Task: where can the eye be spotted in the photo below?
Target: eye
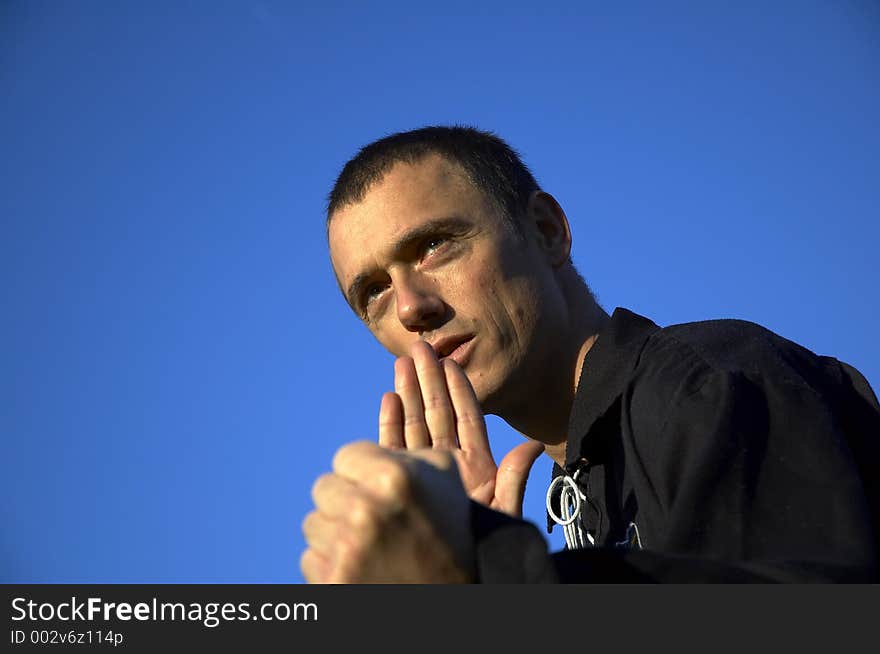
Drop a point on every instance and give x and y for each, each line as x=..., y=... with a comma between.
x=372, y=292
x=369, y=298
x=433, y=244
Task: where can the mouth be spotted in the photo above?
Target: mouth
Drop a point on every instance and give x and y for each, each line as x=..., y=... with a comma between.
x=457, y=348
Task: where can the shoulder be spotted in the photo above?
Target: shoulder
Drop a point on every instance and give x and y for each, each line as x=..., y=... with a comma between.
x=737, y=347
x=684, y=360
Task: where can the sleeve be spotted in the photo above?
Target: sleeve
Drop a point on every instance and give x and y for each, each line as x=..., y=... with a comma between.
x=509, y=550
x=747, y=482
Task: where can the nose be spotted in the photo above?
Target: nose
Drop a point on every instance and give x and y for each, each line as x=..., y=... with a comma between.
x=419, y=306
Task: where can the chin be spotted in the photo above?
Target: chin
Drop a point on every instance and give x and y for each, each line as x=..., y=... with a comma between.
x=489, y=397
x=497, y=392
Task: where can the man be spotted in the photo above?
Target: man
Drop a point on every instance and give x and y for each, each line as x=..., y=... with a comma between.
x=713, y=451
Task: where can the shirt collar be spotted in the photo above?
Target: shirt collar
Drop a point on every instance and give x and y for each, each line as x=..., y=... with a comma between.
x=606, y=370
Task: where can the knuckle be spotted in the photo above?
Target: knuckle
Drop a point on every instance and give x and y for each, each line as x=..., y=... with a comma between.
x=321, y=484
x=339, y=457
x=436, y=402
x=443, y=438
x=308, y=523
x=392, y=481
x=309, y=566
x=388, y=421
x=362, y=516
x=350, y=553
x=348, y=455
x=471, y=418
x=413, y=419
x=344, y=453
x=443, y=443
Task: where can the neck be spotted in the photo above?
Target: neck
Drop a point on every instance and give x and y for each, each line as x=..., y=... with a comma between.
x=559, y=426
x=542, y=410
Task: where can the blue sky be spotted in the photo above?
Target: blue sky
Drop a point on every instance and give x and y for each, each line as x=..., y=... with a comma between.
x=177, y=363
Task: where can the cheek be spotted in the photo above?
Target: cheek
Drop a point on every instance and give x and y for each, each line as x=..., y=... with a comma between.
x=507, y=300
x=393, y=342
x=480, y=287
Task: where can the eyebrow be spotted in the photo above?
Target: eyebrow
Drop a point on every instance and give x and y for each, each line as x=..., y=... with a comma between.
x=452, y=224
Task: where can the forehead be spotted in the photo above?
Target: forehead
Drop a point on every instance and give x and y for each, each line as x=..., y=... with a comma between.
x=409, y=195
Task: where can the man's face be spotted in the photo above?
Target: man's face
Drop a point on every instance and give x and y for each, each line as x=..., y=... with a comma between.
x=427, y=256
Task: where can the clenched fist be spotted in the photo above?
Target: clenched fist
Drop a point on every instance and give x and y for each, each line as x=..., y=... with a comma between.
x=388, y=516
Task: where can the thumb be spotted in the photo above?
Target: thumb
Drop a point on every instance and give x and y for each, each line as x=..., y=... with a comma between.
x=440, y=494
x=513, y=471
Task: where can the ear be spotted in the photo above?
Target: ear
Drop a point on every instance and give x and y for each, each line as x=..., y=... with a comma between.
x=548, y=226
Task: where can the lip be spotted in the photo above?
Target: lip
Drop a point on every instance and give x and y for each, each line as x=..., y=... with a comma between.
x=457, y=348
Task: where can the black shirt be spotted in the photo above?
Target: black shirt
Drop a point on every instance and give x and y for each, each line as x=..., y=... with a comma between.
x=709, y=451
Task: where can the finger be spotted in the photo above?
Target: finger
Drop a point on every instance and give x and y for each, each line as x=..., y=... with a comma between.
x=391, y=422
x=513, y=472
x=350, y=459
x=333, y=495
x=406, y=383
x=314, y=567
x=375, y=471
x=435, y=397
x=469, y=420
x=321, y=533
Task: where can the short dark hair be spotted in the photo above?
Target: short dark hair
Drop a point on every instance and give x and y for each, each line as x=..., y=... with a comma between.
x=489, y=163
